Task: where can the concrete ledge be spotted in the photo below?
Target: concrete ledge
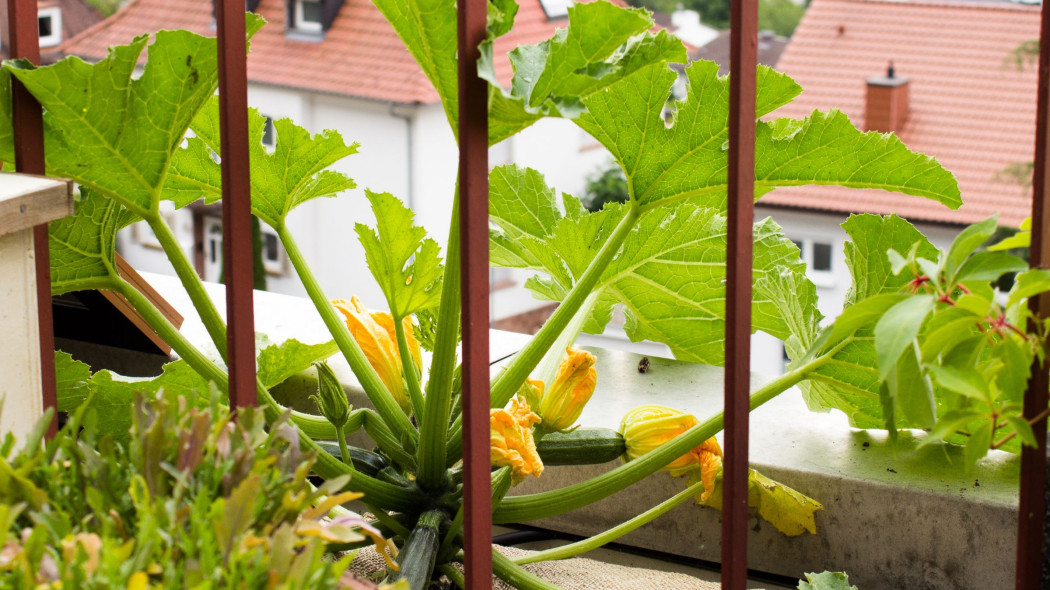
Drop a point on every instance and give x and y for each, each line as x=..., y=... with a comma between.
x=893, y=517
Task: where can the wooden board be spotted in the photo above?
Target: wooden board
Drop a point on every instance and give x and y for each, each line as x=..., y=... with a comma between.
x=130, y=275
x=27, y=201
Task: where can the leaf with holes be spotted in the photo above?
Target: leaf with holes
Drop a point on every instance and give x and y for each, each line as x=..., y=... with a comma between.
x=119, y=138
x=111, y=394
x=294, y=173
x=602, y=44
x=687, y=159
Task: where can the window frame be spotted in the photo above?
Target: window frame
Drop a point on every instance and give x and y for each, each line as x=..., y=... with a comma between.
x=54, y=13
x=299, y=17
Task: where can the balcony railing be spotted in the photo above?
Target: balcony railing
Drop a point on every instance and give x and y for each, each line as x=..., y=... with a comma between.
x=473, y=178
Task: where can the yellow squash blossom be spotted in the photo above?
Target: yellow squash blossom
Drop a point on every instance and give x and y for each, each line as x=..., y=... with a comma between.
x=378, y=343
x=647, y=427
x=512, y=442
x=573, y=385
x=387, y=322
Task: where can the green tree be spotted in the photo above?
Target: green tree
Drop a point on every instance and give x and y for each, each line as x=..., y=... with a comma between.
x=605, y=186
x=779, y=16
x=106, y=7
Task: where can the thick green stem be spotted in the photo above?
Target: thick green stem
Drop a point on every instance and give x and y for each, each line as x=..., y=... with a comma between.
x=453, y=574
x=516, y=576
x=433, y=428
x=170, y=334
x=500, y=486
x=408, y=368
x=210, y=317
x=548, y=368
x=344, y=452
x=381, y=493
x=388, y=521
x=375, y=390
x=318, y=428
x=384, y=438
x=545, y=504
x=592, y=543
x=453, y=532
x=508, y=382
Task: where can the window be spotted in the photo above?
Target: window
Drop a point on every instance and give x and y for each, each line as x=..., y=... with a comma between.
x=308, y=15
x=818, y=256
x=272, y=253
x=143, y=233
x=556, y=8
x=212, y=248
x=821, y=256
x=49, y=25
x=269, y=136
x=273, y=256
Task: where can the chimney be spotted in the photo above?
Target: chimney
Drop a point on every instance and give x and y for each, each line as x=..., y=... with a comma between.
x=886, y=105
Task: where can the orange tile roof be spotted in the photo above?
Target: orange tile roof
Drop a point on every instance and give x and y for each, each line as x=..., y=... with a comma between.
x=967, y=107
x=360, y=55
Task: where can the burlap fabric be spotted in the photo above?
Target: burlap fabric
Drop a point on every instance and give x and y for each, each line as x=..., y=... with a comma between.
x=570, y=574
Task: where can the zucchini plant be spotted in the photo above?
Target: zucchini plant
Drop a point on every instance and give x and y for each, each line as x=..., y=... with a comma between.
x=924, y=341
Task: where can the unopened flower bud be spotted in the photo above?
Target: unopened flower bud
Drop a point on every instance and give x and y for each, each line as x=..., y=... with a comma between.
x=572, y=388
x=331, y=397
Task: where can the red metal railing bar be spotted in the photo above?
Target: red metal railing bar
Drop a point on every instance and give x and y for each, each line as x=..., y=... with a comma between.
x=474, y=278
x=741, y=189
x=1032, y=508
x=236, y=202
x=29, y=158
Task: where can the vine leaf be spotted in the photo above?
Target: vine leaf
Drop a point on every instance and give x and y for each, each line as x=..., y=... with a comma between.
x=193, y=175
x=111, y=395
x=293, y=174
x=88, y=135
x=850, y=380
x=826, y=581
x=403, y=260
x=278, y=362
x=668, y=275
x=82, y=245
x=7, y=129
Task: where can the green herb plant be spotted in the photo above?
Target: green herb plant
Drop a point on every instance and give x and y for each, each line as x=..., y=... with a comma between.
x=226, y=500
x=924, y=341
